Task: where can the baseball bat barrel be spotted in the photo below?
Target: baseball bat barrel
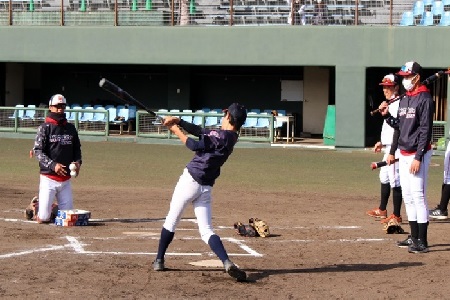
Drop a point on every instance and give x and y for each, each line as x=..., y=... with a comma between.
x=123, y=95
x=376, y=165
x=427, y=81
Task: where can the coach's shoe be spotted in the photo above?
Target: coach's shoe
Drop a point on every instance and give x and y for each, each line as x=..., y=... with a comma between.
x=377, y=213
x=437, y=213
x=418, y=247
x=399, y=219
x=234, y=271
x=158, y=265
x=406, y=243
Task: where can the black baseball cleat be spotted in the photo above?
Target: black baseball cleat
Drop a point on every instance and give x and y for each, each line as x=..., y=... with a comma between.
x=234, y=271
x=406, y=243
x=438, y=214
x=418, y=247
x=158, y=265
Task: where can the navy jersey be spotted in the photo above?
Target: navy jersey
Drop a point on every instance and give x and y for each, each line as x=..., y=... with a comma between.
x=56, y=142
x=414, y=123
x=211, y=151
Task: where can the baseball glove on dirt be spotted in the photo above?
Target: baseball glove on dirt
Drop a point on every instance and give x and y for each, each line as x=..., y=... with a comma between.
x=260, y=226
x=244, y=230
x=393, y=226
x=32, y=210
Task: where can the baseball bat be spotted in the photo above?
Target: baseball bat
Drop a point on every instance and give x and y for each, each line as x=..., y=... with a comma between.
x=125, y=96
x=376, y=165
x=427, y=81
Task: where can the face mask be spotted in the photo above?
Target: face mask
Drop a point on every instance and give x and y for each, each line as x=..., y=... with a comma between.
x=408, y=83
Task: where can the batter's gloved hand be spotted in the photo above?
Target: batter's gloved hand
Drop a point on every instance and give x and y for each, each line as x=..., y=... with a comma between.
x=393, y=226
x=260, y=226
x=244, y=230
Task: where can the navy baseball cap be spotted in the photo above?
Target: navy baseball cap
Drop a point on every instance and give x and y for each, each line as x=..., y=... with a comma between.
x=238, y=112
x=410, y=68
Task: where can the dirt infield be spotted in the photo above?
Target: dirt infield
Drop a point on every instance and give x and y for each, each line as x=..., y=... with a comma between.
x=323, y=246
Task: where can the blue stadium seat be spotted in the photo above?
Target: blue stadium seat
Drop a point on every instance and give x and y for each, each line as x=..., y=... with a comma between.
x=99, y=114
x=438, y=8
x=73, y=114
x=427, y=4
x=427, y=19
x=19, y=113
x=407, y=19
x=198, y=120
x=187, y=118
x=251, y=121
x=418, y=8
x=29, y=113
x=445, y=19
x=88, y=114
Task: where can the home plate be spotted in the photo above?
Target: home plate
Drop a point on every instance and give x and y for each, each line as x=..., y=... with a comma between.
x=214, y=263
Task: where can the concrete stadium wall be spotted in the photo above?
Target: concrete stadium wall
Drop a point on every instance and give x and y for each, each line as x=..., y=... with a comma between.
x=350, y=49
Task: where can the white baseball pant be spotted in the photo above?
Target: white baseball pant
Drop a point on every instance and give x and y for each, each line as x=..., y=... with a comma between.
x=48, y=190
x=390, y=174
x=188, y=191
x=414, y=187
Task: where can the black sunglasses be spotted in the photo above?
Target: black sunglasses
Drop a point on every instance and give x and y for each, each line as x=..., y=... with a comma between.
x=60, y=105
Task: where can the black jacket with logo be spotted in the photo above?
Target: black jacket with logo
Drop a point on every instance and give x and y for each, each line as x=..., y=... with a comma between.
x=56, y=141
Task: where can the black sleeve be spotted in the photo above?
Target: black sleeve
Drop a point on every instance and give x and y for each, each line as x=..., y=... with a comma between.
x=394, y=144
x=193, y=129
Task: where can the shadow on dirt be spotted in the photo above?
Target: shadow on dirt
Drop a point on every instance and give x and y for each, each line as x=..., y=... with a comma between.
x=260, y=274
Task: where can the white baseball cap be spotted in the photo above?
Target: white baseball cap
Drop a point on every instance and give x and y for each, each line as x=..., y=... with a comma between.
x=57, y=99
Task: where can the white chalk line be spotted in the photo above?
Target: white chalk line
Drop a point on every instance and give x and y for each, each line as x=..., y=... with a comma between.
x=78, y=247
x=337, y=227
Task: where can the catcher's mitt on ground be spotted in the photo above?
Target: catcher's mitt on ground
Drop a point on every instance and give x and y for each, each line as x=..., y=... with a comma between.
x=32, y=210
x=260, y=226
x=244, y=230
x=256, y=227
x=393, y=226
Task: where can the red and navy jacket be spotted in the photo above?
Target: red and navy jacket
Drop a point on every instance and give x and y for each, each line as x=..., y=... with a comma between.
x=414, y=123
x=56, y=141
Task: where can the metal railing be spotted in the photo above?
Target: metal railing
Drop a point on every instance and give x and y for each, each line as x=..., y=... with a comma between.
x=27, y=120
x=149, y=126
x=215, y=12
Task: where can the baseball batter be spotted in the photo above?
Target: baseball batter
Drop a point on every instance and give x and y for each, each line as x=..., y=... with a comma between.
x=412, y=135
x=56, y=146
x=389, y=175
x=194, y=186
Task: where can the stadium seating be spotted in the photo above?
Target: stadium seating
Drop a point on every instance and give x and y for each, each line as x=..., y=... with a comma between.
x=427, y=19
x=187, y=118
x=418, y=9
x=29, y=113
x=437, y=8
x=198, y=120
x=407, y=19
x=72, y=115
x=99, y=114
x=445, y=19
x=18, y=112
x=251, y=122
x=88, y=115
x=212, y=121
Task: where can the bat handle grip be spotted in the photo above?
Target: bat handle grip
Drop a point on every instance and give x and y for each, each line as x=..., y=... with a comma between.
x=373, y=112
